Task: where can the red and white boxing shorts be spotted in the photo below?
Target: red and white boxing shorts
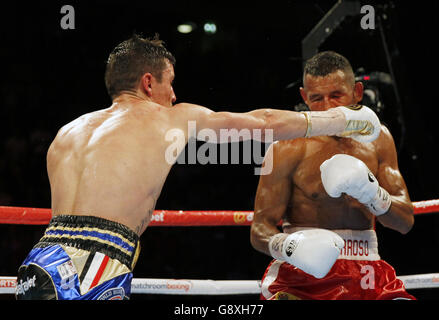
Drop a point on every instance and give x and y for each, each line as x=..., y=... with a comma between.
x=358, y=274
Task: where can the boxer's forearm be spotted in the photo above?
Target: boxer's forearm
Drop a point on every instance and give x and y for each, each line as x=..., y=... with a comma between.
x=279, y=124
x=287, y=125
x=266, y=125
x=399, y=217
x=260, y=235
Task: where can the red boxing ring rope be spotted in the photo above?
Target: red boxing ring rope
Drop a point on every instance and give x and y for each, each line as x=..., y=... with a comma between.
x=172, y=218
x=36, y=216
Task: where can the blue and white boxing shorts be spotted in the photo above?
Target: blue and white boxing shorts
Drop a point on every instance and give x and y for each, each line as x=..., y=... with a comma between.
x=80, y=258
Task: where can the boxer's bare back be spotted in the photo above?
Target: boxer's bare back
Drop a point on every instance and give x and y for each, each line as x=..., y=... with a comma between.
x=110, y=163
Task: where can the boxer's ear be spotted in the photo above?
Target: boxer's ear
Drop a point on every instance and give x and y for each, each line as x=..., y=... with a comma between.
x=146, y=82
x=358, y=91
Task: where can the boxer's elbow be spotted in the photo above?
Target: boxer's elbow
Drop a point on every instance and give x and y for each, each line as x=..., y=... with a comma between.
x=254, y=238
x=409, y=220
x=401, y=221
x=408, y=225
x=273, y=123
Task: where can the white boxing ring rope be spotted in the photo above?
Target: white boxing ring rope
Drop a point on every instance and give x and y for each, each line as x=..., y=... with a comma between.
x=220, y=287
x=19, y=215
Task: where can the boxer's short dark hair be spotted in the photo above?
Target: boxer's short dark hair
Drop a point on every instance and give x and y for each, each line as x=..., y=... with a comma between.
x=325, y=63
x=132, y=58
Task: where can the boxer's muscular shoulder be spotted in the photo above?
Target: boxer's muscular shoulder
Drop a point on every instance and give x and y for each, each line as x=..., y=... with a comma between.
x=86, y=120
x=190, y=108
x=288, y=153
x=183, y=112
x=292, y=148
x=384, y=137
x=385, y=142
x=77, y=132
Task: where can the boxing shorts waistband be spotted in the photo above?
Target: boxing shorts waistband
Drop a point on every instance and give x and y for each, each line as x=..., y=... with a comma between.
x=93, y=234
x=358, y=244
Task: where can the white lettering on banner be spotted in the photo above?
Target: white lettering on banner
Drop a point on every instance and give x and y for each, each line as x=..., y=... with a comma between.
x=159, y=217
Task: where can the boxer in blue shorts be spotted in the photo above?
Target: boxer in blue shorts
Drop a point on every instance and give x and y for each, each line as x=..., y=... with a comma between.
x=107, y=168
x=80, y=257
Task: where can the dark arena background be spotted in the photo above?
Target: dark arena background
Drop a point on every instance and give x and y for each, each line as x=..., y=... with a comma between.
x=238, y=57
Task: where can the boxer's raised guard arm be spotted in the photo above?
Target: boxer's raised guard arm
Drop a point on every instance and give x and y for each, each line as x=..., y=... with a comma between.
x=343, y=173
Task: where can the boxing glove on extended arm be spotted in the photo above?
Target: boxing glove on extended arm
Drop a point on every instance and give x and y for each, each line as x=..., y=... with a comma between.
x=362, y=124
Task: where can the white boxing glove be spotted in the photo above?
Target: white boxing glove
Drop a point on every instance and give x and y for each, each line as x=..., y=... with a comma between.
x=346, y=174
x=314, y=251
x=357, y=122
x=362, y=124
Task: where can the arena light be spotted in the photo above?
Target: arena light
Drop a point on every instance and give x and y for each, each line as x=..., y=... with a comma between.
x=186, y=27
x=210, y=27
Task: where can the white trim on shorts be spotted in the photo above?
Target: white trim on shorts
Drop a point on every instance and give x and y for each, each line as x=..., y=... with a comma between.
x=359, y=244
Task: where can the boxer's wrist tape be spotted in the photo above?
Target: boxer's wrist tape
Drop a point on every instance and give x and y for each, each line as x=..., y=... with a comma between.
x=308, y=124
x=275, y=245
x=381, y=203
x=324, y=123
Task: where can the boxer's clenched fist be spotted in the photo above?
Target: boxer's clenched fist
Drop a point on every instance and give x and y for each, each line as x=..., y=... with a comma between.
x=362, y=124
x=314, y=251
x=357, y=122
x=346, y=174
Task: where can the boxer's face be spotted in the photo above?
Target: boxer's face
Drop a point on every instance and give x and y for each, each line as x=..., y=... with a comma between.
x=330, y=91
x=162, y=91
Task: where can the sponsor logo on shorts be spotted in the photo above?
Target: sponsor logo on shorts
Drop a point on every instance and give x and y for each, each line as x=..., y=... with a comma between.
x=24, y=286
x=66, y=270
x=113, y=294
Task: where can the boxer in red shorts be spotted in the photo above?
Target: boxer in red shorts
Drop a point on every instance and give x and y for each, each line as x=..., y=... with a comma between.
x=328, y=191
